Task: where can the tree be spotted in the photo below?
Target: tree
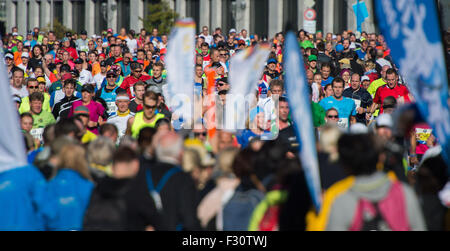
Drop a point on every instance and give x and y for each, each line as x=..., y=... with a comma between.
x=160, y=16
x=59, y=29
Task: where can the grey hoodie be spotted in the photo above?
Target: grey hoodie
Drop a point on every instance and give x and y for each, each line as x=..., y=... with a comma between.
x=373, y=188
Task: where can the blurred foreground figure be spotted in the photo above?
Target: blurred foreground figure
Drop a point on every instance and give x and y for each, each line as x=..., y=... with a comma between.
x=369, y=199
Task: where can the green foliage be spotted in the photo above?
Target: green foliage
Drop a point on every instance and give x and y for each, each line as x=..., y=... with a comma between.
x=59, y=29
x=160, y=16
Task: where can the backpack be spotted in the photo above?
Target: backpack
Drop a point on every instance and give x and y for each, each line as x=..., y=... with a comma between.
x=390, y=213
x=239, y=209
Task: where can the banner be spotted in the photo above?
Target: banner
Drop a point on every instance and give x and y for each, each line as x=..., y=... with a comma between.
x=412, y=32
x=300, y=105
x=246, y=69
x=12, y=146
x=180, y=58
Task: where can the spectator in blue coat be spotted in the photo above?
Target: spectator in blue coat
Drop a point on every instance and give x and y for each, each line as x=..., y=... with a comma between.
x=69, y=191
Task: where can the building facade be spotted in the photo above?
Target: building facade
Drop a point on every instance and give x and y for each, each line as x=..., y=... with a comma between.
x=263, y=17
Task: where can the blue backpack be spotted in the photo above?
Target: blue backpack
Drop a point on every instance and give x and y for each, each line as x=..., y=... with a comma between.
x=239, y=209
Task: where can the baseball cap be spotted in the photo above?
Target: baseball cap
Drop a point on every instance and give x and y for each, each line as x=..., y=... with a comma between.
x=88, y=88
x=271, y=61
x=65, y=39
x=41, y=80
x=15, y=34
x=103, y=63
x=79, y=61
x=25, y=55
x=66, y=76
x=216, y=64
x=75, y=72
x=9, y=55
x=359, y=128
x=312, y=58
x=365, y=78
x=384, y=120
x=17, y=99
x=109, y=30
x=111, y=72
x=339, y=48
x=232, y=30
x=81, y=110
x=83, y=32
x=68, y=34
x=241, y=42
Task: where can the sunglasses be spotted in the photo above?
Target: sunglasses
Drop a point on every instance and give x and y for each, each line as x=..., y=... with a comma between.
x=220, y=84
x=332, y=117
x=138, y=71
x=223, y=55
x=150, y=107
x=111, y=76
x=197, y=134
x=33, y=87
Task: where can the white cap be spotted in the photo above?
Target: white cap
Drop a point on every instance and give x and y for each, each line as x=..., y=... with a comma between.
x=384, y=120
x=233, y=30
x=364, y=78
x=15, y=34
x=358, y=128
x=25, y=55
x=9, y=55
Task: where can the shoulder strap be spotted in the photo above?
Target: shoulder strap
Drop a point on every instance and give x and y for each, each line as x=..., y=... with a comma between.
x=163, y=180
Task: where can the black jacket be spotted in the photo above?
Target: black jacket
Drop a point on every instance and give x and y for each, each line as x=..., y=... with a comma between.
x=62, y=108
x=179, y=199
x=110, y=207
x=364, y=97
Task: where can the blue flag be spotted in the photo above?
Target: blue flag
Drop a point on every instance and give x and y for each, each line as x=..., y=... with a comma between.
x=412, y=31
x=361, y=14
x=300, y=104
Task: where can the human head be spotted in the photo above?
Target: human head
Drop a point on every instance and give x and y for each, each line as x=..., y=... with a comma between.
x=26, y=121
x=325, y=70
x=389, y=104
x=328, y=89
x=365, y=82
x=125, y=163
x=358, y=153
x=87, y=93
x=222, y=84
x=122, y=101
x=276, y=87
x=331, y=116
x=383, y=127
x=283, y=110
x=169, y=148
x=139, y=90
x=391, y=78
x=18, y=77
x=69, y=87
x=111, y=78
x=150, y=102
x=158, y=68
x=73, y=156
x=355, y=81
x=32, y=85
x=338, y=87
x=36, y=100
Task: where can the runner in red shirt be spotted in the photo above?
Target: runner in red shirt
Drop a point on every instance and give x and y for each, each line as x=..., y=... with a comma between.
x=135, y=76
x=399, y=92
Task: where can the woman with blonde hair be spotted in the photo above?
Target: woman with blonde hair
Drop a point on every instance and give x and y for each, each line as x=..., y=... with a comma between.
x=69, y=191
x=100, y=155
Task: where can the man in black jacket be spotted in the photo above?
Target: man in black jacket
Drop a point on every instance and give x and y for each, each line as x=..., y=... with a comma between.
x=111, y=207
x=362, y=98
x=169, y=190
x=62, y=108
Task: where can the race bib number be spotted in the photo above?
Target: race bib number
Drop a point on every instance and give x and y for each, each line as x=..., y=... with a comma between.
x=37, y=133
x=422, y=135
x=112, y=108
x=343, y=123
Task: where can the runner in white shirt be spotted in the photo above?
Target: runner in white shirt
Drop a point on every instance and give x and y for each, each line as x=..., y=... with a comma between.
x=205, y=34
x=85, y=75
x=123, y=114
x=99, y=77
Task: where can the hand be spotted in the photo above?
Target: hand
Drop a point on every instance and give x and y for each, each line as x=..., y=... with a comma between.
x=368, y=116
x=360, y=110
x=92, y=124
x=414, y=161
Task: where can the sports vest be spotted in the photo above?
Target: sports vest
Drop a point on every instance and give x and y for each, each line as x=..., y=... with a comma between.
x=139, y=123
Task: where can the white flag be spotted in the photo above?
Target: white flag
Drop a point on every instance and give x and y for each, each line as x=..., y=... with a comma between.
x=180, y=65
x=12, y=146
x=246, y=69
